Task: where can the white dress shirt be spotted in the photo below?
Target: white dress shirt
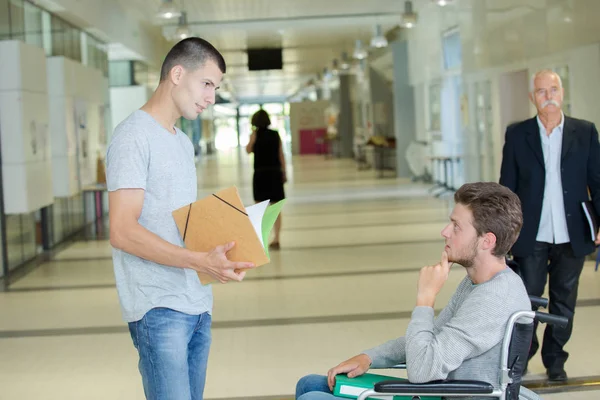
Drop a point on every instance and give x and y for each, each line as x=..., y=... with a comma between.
x=553, y=222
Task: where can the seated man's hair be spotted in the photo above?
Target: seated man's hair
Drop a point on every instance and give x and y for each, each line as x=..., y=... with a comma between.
x=495, y=209
x=191, y=53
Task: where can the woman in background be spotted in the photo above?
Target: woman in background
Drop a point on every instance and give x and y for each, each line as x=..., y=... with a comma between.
x=269, y=165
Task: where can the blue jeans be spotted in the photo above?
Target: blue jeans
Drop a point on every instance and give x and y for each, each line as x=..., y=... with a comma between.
x=173, y=349
x=313, y=387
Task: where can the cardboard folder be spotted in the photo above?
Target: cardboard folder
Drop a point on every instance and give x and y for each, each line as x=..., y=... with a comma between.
x=219, y=219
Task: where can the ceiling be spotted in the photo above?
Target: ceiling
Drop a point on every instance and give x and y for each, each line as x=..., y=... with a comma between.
x=312, y=34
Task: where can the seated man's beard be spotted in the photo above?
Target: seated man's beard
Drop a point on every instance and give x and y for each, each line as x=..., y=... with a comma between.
x=468, y=259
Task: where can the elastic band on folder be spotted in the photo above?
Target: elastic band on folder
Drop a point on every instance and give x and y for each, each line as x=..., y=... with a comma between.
x=186, y=223
x=229, y=204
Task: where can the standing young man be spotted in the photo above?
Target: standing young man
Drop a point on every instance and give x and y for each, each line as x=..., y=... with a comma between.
x=150, y=173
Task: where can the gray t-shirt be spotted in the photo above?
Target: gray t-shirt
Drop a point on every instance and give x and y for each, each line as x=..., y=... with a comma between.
x=144, y=155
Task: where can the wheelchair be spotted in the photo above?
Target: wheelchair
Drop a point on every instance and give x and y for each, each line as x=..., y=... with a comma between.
x=515, y=349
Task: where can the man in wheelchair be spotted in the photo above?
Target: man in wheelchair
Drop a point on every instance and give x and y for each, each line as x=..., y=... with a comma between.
x=464, y=341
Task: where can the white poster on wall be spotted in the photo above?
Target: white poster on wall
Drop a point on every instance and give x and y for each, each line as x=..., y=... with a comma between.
x=82, y=134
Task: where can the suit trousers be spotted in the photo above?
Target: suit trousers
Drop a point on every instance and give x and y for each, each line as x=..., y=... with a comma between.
x=563, y=268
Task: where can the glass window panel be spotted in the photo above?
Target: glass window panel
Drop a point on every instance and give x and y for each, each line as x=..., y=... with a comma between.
x=58, y=36
x=140, y=73
x=13, y=240
x=249, y=109
x=47, y=32
x=33, y=25
x=28, y=236
x=17, y=20
x=222, y=110
x=4, y=20
x=452, y=50
x=273, y=108
x=119, y=73
x=59, y=217
x=76, y=44
x=225, y=133
x=68, y=37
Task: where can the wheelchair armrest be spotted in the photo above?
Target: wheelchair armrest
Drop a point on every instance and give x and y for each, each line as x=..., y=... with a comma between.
x=538, y=302
x=447, y=386
x=552, y=319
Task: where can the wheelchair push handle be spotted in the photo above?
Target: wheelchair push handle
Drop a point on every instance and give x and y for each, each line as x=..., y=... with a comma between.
x=538, y=302
x=551, y=319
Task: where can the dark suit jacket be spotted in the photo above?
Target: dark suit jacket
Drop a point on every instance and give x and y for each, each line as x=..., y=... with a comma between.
x=524, y=173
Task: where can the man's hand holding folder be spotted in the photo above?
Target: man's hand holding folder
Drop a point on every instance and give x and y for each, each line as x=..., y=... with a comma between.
x=222, y=218
x=129, y=236
x=219, y=267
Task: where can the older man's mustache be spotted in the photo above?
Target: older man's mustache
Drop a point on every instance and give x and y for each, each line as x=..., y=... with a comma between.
x=548, y=102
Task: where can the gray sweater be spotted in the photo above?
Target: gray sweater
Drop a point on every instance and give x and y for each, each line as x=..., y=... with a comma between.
x=465, y=340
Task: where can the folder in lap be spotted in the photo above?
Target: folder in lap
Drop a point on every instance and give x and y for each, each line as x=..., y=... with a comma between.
x=351, y=388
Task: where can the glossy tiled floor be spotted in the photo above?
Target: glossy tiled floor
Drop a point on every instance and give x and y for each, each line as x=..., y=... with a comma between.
x=345, y=280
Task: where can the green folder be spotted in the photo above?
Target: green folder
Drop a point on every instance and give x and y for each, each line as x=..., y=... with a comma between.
x=263, y=217
x=351, y=388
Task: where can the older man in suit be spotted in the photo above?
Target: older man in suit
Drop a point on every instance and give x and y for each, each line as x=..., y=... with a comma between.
x=552, y=162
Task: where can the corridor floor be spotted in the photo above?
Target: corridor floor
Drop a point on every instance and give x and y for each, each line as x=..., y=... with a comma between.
x=343, y=281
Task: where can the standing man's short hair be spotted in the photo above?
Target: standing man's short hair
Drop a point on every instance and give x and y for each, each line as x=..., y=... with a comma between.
x=191, y=53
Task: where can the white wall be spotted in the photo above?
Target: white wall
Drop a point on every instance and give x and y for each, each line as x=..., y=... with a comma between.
x=24, y=119
x=513, y=101
x=124, y=101
x=77, y=123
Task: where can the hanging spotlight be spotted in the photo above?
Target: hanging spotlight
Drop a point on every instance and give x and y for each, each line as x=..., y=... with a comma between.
x=183, y=30
x=409, y=17
x=442, y=3
x=168, y=10
x=359, y=51
x=378, y=41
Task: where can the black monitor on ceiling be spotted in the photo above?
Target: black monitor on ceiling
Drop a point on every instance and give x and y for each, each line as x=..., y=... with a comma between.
x=265, y=59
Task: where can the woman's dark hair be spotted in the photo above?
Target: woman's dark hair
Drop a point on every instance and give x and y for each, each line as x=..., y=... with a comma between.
x=261, y=119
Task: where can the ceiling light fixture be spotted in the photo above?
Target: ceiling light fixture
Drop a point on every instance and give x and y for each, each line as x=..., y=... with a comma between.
x=345, y=65
x=359, y=51
x=409, y=17
x=378, y=41
x=183, y=30
x=168, y=10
